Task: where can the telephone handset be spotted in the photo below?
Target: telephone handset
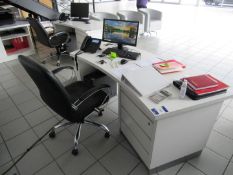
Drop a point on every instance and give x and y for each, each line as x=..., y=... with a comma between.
x=90, y=44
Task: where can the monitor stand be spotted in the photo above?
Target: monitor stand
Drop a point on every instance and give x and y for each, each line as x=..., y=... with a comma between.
x=120, y=47
x=81, y=19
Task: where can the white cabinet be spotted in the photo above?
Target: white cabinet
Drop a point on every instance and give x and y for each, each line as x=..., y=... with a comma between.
x=15, y=39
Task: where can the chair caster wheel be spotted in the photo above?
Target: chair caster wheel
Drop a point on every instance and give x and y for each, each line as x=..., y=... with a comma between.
x=52, y=134
x=75, y=152
x=58, y=64
x=107, y=135
x=100, y=113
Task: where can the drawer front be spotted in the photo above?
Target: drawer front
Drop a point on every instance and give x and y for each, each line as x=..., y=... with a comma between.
x=136, y=145
x=143, y=122
x=139, y=134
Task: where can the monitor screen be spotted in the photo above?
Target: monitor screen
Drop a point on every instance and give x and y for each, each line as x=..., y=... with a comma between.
x=80, y=10
x=120, y=31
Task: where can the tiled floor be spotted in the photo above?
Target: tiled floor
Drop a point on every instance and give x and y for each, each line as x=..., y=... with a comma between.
x=199, y=37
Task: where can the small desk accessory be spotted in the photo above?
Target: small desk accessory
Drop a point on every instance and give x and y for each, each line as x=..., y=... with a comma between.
x=168, y=66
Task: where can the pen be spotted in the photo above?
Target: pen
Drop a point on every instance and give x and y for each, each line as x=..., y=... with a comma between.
x=155, y=111
x=164, y=108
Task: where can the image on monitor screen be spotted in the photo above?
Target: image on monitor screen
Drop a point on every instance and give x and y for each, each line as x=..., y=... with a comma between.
x=120, y=31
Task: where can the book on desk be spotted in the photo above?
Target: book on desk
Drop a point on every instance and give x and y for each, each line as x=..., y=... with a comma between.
x=202, y=86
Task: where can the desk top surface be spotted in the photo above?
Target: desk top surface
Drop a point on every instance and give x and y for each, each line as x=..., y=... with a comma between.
x=80, y=25
x=174, y=104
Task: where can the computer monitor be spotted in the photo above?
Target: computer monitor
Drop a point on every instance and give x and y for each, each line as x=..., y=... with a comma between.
x=120, y=32
x=79, y=10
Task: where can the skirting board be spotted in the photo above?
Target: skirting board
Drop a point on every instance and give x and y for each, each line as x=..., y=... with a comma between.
x=174, y=162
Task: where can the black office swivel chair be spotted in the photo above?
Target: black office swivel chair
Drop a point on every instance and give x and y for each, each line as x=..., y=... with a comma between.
x=57, y=40
x=73, y=102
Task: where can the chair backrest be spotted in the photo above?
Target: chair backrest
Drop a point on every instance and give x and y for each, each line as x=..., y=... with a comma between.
x=51, y=90
x=100, y=16
x=153, y=14
x=41, y=33
x=131, y=16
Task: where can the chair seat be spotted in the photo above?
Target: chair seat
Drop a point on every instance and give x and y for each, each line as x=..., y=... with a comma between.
x=75, y=90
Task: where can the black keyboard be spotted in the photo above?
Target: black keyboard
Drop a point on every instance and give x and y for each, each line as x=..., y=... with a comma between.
x=83, y=20
x=122, y=53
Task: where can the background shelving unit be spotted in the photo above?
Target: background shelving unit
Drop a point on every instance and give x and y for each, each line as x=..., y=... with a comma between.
x=8, y=33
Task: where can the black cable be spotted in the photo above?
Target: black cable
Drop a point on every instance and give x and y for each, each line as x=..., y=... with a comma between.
x=29, y=149
x=76, y=57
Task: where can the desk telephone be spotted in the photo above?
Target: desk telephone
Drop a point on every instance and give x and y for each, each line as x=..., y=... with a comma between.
x=90, y=44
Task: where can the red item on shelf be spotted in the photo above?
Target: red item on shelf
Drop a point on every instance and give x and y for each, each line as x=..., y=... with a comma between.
x=12, y=50
x=14, y=43
x=25, y=42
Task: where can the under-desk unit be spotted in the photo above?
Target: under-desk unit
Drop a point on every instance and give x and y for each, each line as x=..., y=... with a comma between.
x=171, y=137
x=168, y=138
x=15, y=39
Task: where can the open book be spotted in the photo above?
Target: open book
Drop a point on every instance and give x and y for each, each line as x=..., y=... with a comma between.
x=145, y=81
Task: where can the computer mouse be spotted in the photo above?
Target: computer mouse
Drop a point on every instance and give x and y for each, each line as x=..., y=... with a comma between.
x=123, y=61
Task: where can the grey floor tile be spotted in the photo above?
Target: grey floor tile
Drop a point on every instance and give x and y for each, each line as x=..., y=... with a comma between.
x=119, y=161
x=61, y=143
x=108, y=117
x=141, y=169
x=14, y=128
x=6, y=104
x=38, y=116
x=9, y=115
x=11, y=83
x=229, y=170
x=30, y=84
x=20, y=143
x=73, y=165
x=16, y=89
x=114, y=106
x=3, y=95
x=51, y=169
x=43, y=127
x=7, y=77
x=128, y=146
x=6, y=166
x=96, y=169
x=225, y=127
x=210, y=163
x=30, y=106
x=220, y=144
x=87, y=131
x=5, y=71
x=98, y=145
x=189, y=170
x=172, y=170
x=36, y=159
x=228, y=113
x=5, y=156
x=22, y=97
x=114, y=128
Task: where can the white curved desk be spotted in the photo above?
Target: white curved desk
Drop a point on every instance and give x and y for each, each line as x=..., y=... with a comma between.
x=164, y=140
